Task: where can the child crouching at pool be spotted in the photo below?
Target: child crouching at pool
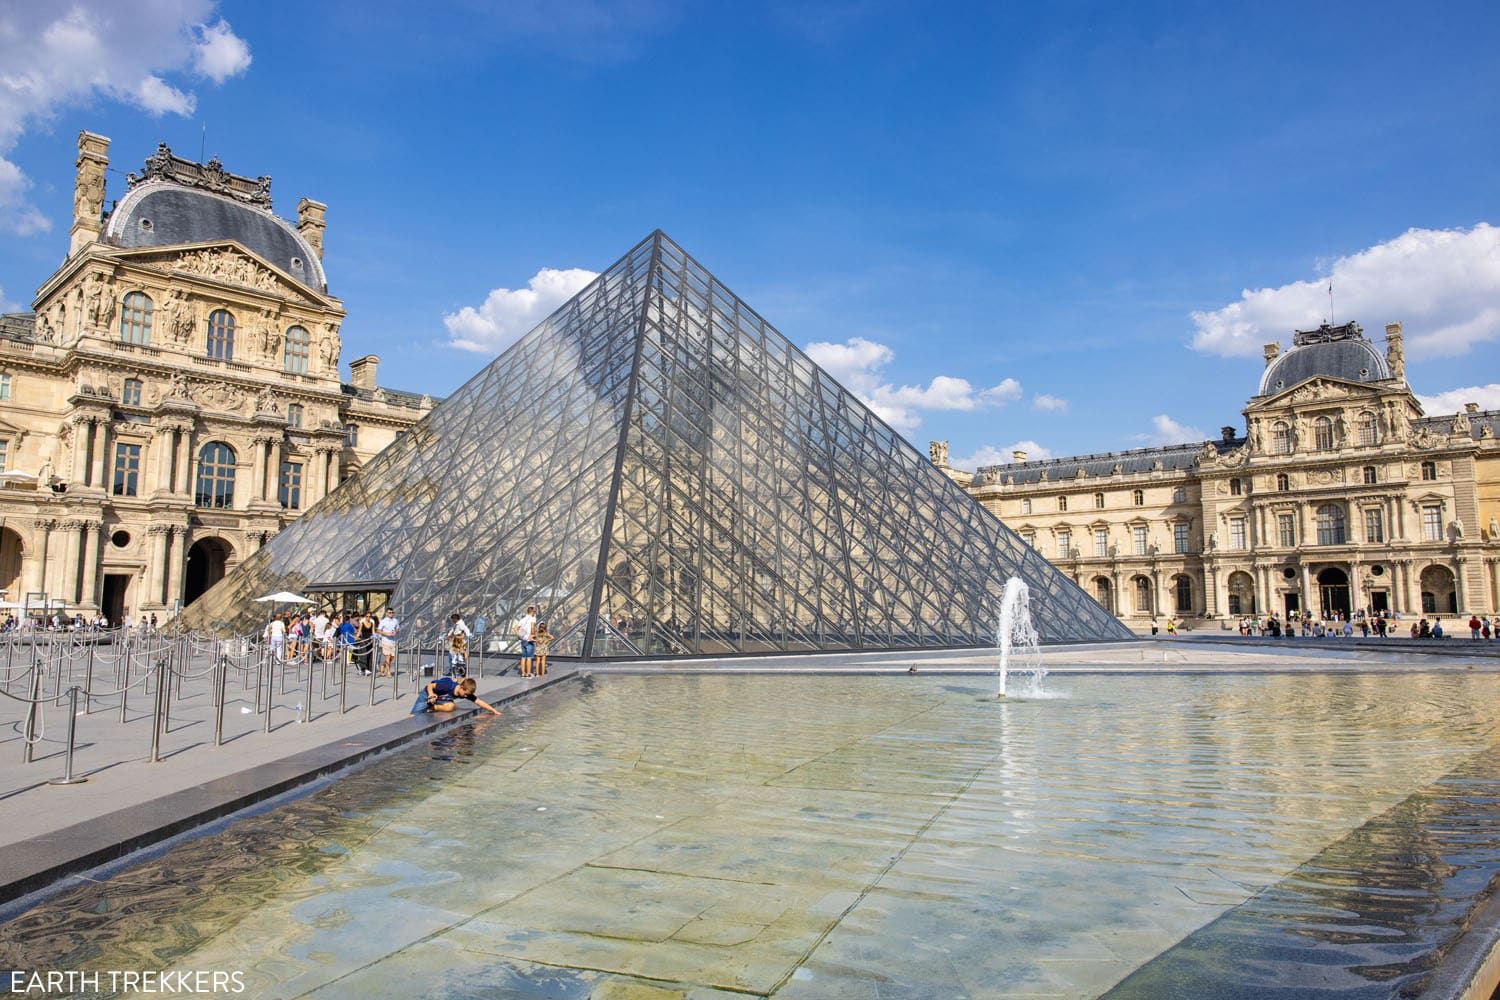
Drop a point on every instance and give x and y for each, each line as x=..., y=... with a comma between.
x=439, y=695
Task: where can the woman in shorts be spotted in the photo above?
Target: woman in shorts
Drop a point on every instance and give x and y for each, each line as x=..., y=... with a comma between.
x=543, y=640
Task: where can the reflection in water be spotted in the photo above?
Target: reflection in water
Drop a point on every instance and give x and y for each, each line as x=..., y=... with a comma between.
x=834, y=837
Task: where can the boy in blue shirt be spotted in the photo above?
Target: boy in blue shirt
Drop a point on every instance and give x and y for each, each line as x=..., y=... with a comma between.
x=439, y=695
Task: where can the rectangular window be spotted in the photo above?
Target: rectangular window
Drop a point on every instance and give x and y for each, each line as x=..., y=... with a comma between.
x=1062, y=504
x=351, y=438
x=1179, y=495
x=131, y=396
x=1064, y=544
x=1101, y=542
x=1180, y=537
x=5, y=454
x=1374, y=525
x=1029, y=538
x=289, y=492
x=1237, y=533
x=1432, y=522
x=127, y=469
x=4, y=388
x=1138, y=539
x=294, y=414
x=1286, y=530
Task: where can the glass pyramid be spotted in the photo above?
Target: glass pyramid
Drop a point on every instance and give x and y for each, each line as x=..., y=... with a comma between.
x=662, y=473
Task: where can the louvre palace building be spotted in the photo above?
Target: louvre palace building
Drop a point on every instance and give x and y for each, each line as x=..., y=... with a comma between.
x=173, y=399
x=1341, y=496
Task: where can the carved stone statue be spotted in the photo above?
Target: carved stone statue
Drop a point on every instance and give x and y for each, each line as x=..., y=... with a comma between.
x=265, y=400
x=180, y=385
x=270, y=336
x=176, y=319
x=1494, y=530
x=329, y=345
x=1461, y=424
x=1456, y=529
x=938, y=452
x=1255, y=439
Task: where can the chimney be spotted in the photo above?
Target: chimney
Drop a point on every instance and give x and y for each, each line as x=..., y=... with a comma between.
x=1018, y=456
x=362, y=372
x=310, y=223
x=1228, y=434
x=1273, y=351
x=1395, y=353
x=88, y=191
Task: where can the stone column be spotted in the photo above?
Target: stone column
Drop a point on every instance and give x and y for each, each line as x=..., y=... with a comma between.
x=176, y=564
x=45, y=527
x=1354, y=589
x=1307, y=591
x=258, y=470
x=90, y=596
x=82, y=434
x=1460, y=590
x=68, y=579
x=162, y=448
x=1155, y=590
x=101, y=449
x=156, y=570
x=331, y=482
x=182, y=480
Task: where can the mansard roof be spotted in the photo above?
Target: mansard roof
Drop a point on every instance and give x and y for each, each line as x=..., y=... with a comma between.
x=1334, y=351
x=1135, y=461
x=175, y=201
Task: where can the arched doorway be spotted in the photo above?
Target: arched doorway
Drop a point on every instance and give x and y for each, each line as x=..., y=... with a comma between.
x=10, y=564
x=1439, y=595
x=1102, y=591
x=1241, y=593
x=206, y=562
x=1333, y=592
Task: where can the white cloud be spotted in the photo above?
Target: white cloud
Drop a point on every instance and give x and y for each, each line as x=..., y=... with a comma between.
x=1452, y=401
x=1049, y=404
x=159, y=97
x=506, y=315
x=990, y=455
x=1165, y=430
x=857, y=364
x=1443, y=285
x=219, y=53
x=57, y=55
x=6, y=305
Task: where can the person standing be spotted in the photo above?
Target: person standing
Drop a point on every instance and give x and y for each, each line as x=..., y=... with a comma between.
x=458, y=645
x=1473, y=626
x=389, y=629
x=525, y=630
x=276, y=635
x=364, y=643
x=344, y=638
x=543, y=639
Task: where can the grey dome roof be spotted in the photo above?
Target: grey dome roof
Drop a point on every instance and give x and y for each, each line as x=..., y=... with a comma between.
x=160, y=213
x=1353, y=360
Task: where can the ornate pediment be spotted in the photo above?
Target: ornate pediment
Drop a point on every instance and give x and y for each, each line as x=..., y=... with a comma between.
x=1315, y=391
x=226, y=263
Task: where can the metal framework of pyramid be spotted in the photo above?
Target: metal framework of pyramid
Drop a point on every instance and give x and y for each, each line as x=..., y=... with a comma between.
x=663, y=473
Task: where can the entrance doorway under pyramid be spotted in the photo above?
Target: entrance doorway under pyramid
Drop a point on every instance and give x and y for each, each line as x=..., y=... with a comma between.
x=662, y=473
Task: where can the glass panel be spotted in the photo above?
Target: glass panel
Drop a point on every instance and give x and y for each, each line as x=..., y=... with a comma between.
x=663, y=474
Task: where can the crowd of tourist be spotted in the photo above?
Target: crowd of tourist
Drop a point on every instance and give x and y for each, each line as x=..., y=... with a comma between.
x=75, y=623
x=1382, y=625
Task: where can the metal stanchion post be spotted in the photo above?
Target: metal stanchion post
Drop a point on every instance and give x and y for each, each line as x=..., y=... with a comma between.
x=166, y=697
x=161, y=685
x=88, y=680
x=67, y=778
x=395, y=683
x=31, y=710
x=260, y=677
x=373, y=678
x=124, y=684
x=343, y=688
x=271, y=694
x=220, y=683
x=307, y=703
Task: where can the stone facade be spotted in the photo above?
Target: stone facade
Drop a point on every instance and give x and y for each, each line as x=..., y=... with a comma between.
x=1342, y=495
x=174, y=398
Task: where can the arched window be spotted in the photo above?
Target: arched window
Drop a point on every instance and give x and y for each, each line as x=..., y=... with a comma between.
x=298, y=351
x=1369, y=475
x=1184, y=595
x=1139, y=498
x=135, y=319
x=215, y=475
x=221, y=334
x=1098, y=501
x=1330, y=524
x=1365, y=428
x=1283, y=482
x=1235, y=488
x=1323, y=434
x=1281, y=438
x=1142, y=595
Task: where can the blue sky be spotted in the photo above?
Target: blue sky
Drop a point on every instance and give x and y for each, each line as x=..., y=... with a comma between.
x=1029, y=223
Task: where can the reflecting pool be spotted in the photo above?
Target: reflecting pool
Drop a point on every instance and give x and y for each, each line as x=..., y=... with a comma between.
x=807, y=836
